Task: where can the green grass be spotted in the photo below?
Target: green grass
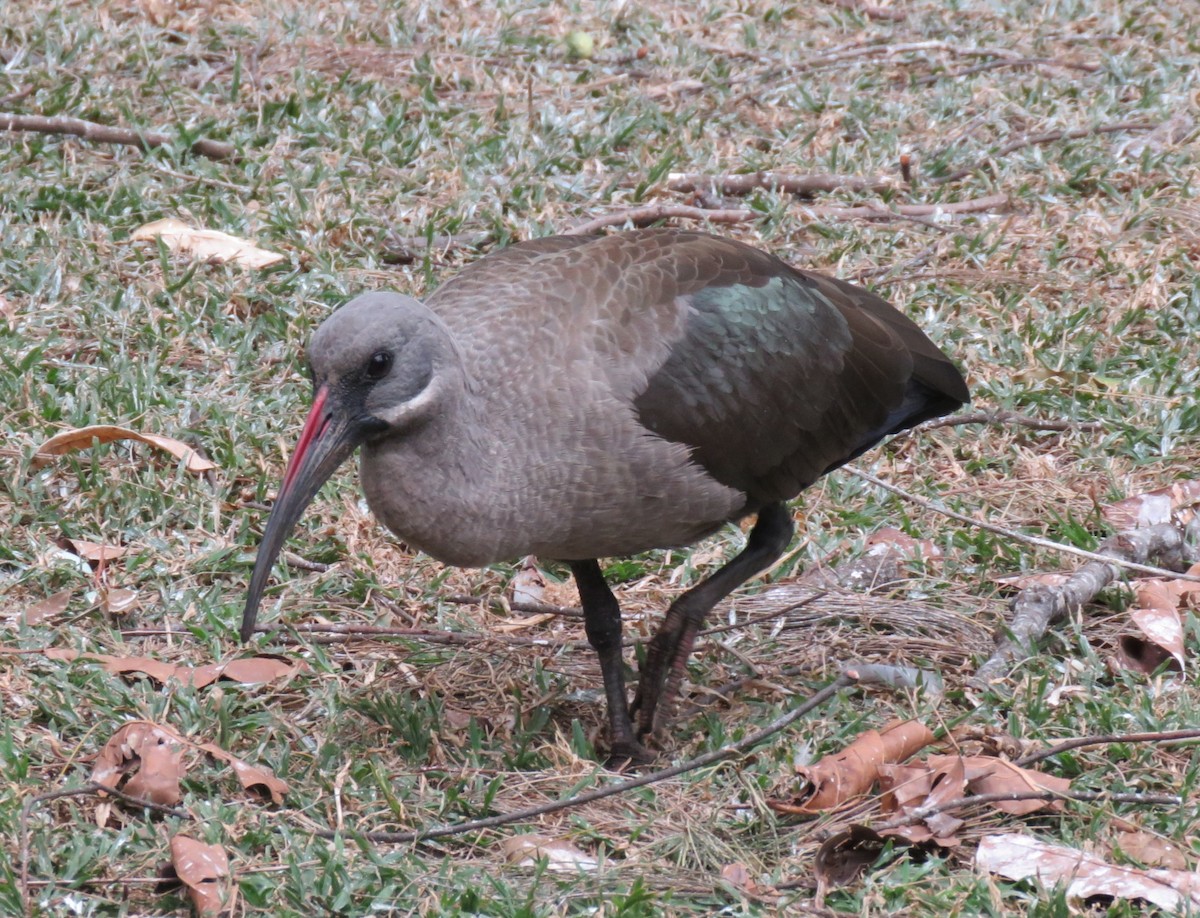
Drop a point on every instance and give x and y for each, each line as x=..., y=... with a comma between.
x=361, y=123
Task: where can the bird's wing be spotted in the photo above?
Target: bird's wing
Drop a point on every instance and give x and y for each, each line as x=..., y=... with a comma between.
x=772, y=376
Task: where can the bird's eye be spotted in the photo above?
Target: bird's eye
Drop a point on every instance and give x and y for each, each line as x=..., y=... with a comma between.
x=379, y=364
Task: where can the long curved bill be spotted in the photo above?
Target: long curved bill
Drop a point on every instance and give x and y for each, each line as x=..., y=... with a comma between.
x=326, y=442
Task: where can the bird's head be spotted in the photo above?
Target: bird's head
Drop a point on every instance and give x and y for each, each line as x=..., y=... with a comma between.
x=379, y=369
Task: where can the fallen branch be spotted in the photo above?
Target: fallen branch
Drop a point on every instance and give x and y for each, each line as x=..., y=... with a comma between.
x=648, y=214
x=871, y=12
x=709, y=758
x=1038, y=606
x=1006, y=62
x=1101, y=739
x=103, y=133
x=432, y=636
x=1032, y=140
x=880, y=212
x=804, y=185
x=1016, y=536
x=999, y=416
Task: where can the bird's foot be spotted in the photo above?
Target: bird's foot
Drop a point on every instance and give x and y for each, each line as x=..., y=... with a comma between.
x=628, y=756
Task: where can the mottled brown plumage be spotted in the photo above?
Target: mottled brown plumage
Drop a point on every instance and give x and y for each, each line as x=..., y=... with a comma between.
x=579, y=398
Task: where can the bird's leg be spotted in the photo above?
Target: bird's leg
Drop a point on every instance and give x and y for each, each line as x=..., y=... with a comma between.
x=602, y=622
x=669, y=649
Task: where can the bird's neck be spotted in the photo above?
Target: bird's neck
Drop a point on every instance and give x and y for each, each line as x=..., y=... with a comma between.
x=426, y=483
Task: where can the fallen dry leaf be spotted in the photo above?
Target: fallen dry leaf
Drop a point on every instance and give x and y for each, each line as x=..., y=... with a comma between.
x=890, y=540
x=85, y=437
x=907, y=788
x=247, y=670
x=1023, y=857
x=204, y=870
x=738, y=876
x=1152, y=850
x=839, y=777
x=1156, y=616
x=249, y=776
x=940, y=779
x=1025, y=581
x=92, y=552
x=842, y=858
x=528, y=584
x=1174, y=502
x=206, y=245
x=124, y=752
x=119, y=601
x=560, y=855
x=50, y=607
x=152, y=757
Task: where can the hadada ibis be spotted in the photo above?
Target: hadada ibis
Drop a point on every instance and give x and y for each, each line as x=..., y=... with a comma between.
x=579, y=398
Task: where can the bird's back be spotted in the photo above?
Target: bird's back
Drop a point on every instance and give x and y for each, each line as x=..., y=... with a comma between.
x=680, y=368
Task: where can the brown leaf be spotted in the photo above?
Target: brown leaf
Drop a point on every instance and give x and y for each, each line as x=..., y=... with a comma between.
x=84, y=437
x=560, y=855
x=1176, y=502
x=846, y=774
x=206, y=245
x=122, y=753
x=987, y=775
x=738, y=876
x=1163, y=642
x=119, y=601
x=92, y=552
x=528, y=584
x=157, y=670
x=249, y=776
x=1021, y=857
x=249, y=670
x=1025, y=581
x=910, y=787
x=204, y=870
x=254, y=670
x=842, y=858
x=151, y=754
x=1152, y=850
x=889, y=540
x=50, y=607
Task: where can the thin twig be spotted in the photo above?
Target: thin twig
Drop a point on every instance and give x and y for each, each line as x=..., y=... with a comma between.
x=1014, y=534
x=924, y=812
x=299, y=563
x=91, y=789
x=528, y=608
x=804, y=185
x=1100, y=739
x=1031, y=140
x=648, y=214
x=871, y=12
x=991, y=202
x=708, y=758
x=103, y=133
x=17, y=96
x=766, y=616
x=433, y=636
x=1001, y=416
x=1006, y=62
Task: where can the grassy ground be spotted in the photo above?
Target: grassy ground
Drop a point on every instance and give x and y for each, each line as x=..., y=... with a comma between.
x=359, y=123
